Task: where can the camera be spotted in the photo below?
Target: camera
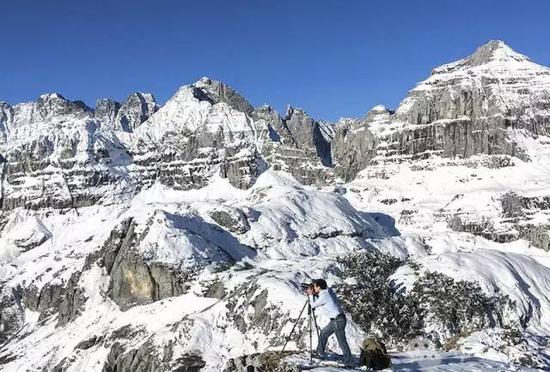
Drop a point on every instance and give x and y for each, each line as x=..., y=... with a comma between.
x=306, y=286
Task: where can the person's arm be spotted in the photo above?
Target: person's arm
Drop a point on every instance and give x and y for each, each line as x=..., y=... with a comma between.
x=320, y=301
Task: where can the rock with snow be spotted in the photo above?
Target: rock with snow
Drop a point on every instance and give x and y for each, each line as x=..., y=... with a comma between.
x=106, y=111
x=137, y=108
x=353, y=146
x=468, y=107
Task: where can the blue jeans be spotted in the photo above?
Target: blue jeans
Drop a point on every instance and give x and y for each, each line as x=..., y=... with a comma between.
x=337, y=326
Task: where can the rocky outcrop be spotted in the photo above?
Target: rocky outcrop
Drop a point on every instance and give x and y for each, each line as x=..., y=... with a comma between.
x=296, y=144
x=353, y=146
x=66, y=299
x=6, y=115
x=520, y=219
x=484, y=228
x=136, y=109
x=250, y=311
x=515, y=205
x=306, y=134
x=538, y=235
x=58, y=155
x=12, y=314
x=148, y=358
x=217, y=91
x=106, y=111
x=134, y=281
x=159, y=256
x=468, y=107
x=191, y=138
x=233, y=220
x=55, y=105
x=270, y=361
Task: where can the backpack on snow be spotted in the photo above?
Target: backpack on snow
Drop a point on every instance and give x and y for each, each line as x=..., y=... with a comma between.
x=374, y=354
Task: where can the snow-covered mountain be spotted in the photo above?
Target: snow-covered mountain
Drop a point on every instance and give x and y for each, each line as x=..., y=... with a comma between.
x=142, y=237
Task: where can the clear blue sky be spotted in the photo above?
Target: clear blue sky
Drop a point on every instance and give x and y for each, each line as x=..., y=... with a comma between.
x=332, y=57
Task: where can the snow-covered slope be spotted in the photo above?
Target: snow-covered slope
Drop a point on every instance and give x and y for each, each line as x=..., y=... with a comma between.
x=138, y=237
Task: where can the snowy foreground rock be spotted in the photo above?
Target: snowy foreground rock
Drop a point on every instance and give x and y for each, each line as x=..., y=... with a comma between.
x=139, y=237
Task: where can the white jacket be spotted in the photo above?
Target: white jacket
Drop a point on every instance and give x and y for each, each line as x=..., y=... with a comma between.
x=328, y=301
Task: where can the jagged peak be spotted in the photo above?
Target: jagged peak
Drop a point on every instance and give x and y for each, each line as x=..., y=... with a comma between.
x=379, y=109
x=495, y=50
x=105, y=100
x=292, y=111
x=378, y=113
x=204, y=81
x=144, y=95
x=266, y=107
x=50, y=102
x=493, y=53
x=219, y=91
x=147, y=97
x=50, y=96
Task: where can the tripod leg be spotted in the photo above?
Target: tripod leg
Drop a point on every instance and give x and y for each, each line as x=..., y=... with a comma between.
x=295, y=324
x=316, y=326
x=310, y=334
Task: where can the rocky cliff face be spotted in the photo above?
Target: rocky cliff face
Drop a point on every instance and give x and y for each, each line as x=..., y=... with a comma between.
x=77, y=156
x=470, y=107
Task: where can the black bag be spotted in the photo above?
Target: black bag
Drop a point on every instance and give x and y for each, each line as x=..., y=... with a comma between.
x=374, y=355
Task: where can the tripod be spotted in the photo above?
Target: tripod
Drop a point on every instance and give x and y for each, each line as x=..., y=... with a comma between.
x=312, y=320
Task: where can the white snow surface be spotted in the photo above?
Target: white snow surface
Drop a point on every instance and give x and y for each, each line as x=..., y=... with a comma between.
x=282, y=250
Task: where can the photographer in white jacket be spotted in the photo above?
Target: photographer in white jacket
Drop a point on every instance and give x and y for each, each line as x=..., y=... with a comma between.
x=322, y=296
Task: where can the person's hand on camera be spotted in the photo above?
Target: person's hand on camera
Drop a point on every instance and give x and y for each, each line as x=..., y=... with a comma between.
x=309, y=291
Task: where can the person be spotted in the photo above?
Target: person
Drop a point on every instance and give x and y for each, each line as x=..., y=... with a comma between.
x=323, y=297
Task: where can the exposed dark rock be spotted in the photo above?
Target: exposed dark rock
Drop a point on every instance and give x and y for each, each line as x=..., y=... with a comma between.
x=65, y=299
x=248, y=306
x=106, y=111
x=127, y=332
x=538, y=235
x=215, y=289
x=515, y=224
x=461, y=110
x=269, y=361
x=353, y=146
x=189, y=363
x=484, y=228
x=133, y=280
x=12, y=314
x=306, y=134
x=512, y=205
x=6, y=358
x=55, y=104
x=217, y=91
x=234, y=220
x=137, y=108
x=45, y=300
x=149, y=358
x=88, y=343
x=72, y=302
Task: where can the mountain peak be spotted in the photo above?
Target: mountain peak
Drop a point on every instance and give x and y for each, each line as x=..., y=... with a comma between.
x=218, y=91
x=50, y=96
x=494, y=50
